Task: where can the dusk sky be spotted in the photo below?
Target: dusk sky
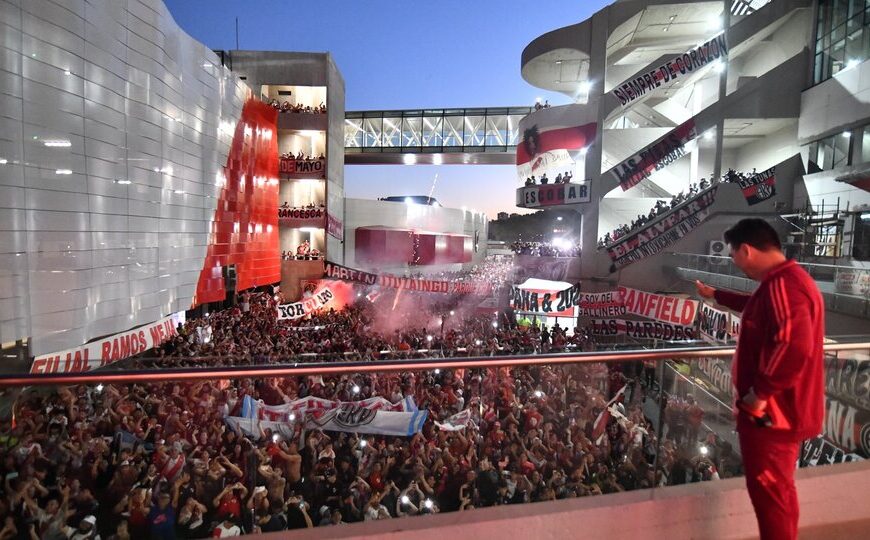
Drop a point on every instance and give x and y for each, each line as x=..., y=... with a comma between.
x=404, y=55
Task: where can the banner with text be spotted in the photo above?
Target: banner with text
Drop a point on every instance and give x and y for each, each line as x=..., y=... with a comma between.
x=545, y=146
x=334, y=226
x=605, y=304
x=557, y=303
x=660, y=307
x=552, y=195
x=663, y=231
x=302, y=168
x=305, y=306
x=759, y=187
x=714, y=324
x=337, y=271
x=673, y=69
x=549, y=268
x=655, y=157
x=554, y=160
x=109, y=349
x=301, y=217
x=641, y=329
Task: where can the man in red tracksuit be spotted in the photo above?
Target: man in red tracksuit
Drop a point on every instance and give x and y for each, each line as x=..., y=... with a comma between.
x=778, y=370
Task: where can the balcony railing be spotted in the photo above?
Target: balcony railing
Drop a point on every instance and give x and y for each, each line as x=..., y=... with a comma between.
x=562, y=412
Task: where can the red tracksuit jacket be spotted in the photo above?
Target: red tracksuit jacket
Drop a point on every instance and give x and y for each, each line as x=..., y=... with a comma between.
x=779, y=351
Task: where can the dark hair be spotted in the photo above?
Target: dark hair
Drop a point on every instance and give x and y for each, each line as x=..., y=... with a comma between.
x=755, y=232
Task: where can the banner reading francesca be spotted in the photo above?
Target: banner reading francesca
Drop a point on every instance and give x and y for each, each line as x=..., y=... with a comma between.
x=662, y=232
x=655, y=157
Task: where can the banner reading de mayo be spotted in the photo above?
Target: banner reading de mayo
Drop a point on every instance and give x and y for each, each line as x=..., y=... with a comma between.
x=655, y=157
x=759, y=187
x=109, y=349
x=673, y=69
x=302, y=168
x=663, y=231
x=661, y=307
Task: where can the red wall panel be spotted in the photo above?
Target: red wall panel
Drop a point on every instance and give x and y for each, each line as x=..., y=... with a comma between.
x=378, y=246
x=245, y=227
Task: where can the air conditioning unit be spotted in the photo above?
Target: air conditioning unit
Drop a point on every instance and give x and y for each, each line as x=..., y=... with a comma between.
x=717, y=248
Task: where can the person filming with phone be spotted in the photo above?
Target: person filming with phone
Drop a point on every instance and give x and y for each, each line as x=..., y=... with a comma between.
x=778, y=370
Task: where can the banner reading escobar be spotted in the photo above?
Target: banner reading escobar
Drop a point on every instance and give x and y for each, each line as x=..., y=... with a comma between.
x=759, y=187
x=672, y=69
x=655, y=157
x=663, y=232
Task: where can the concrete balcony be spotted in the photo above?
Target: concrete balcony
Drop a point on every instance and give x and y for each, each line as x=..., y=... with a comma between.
x=833, y=506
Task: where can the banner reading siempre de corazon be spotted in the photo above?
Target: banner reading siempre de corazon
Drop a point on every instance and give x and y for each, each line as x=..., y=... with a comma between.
x=759, y=187
x=655, y=157
x=107, y=350
x=336, y=271
x=663, y=232
x=672, y=69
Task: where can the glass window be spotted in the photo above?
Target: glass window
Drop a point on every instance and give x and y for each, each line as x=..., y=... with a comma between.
x=392, y=131
x=432, y=131
x=865, y=144
x=841, y=36
x=373, y=128
x=453, y=130
x=411, y=131
x=475, y=133
x=496, y=130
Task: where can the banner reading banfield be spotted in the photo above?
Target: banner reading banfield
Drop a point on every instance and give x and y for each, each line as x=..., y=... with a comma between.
x=759, y=187
x=672, y=70
x=545, y=144
x=552, y=195
x=655, y=157
x=109, y=349
x=336, y=271
x=662, y=232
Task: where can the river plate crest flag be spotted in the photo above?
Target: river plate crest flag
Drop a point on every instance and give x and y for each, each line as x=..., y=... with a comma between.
x=544, y=148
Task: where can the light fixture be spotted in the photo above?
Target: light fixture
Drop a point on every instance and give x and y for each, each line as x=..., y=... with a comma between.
x=178, y=191
x=846, y=134
x=715, y=23
x=852, y=63
x=709, y=135
x=584, y=87
x=123, y=182
x=719, y=66
x=559, y=218
x=409, y=200
x=4, y=161
x=63, y=171
x=57, y=143
x=584, y=150
x=67, y=72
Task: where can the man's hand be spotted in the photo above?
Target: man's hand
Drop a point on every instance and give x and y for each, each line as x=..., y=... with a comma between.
x=704, y=290
x=754, y=402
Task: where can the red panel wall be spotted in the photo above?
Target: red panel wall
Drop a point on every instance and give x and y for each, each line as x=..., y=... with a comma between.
x=376, y=246
x=404, y=246
x=245, y=227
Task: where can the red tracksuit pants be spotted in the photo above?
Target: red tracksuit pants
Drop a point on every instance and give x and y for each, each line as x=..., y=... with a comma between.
x=769, y=463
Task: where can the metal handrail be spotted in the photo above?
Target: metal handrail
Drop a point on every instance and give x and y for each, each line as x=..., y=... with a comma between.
x=336, y=368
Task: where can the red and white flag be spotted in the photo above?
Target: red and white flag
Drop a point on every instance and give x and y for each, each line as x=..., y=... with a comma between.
x=547, y=147
x=603, y=418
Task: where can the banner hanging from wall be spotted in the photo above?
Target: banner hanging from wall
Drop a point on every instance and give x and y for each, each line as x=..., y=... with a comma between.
x=301, y=217
x=662, y=232
x=714, y=324
x=557, y=302
x=302, y=168
x=552, y=195
x=655, y=157
x=334, y=227
x=306, y=306
x=545, y=147
x=109, y=349
x=336, y=271
x=605, y=304
x=674, y=69
x=641, y=329
x=659, y=307
x=549, y=268
x=759, y=187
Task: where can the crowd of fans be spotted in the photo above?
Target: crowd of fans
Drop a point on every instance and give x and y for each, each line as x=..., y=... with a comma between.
x=287, y=107
x=661, y=207
x=158, y=460
x=301, y=156
x=545, y=249
x=544, y=105
x=304, y=252
x=561, y=178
